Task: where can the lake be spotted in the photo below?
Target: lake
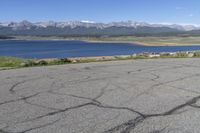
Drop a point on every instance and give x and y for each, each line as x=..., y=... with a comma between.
x=64, y=49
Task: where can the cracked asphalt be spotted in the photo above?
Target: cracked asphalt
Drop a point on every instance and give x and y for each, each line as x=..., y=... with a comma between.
x=135, y=96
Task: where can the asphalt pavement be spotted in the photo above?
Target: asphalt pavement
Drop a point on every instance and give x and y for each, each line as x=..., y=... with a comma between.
x=135, y=96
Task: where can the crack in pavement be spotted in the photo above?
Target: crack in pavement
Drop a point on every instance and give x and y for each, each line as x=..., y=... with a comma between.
x=156, y=77
x=57, y=112
x=86, y=98
x=94, y=101
x=79, y=106
x=160, y=69
x=41, y=126
x=178, y=88
x=41, y=106
x=2, y=131
x=159, y=131
x=131, y=124
x=20, y=99
x=152, y=70
x=128, y=125
x=164, y=83
x=194, y=106
x=12, y=88
x=31, y=129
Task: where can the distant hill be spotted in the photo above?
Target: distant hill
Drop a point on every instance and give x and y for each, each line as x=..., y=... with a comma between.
x=79, y=28
x=6, y=37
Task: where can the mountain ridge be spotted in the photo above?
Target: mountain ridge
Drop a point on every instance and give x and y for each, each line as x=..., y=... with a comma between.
x=91, y=28
x=87, y=24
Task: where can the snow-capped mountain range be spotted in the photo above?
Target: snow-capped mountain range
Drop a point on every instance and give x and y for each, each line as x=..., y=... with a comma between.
x=90, y=28
x=88, y=24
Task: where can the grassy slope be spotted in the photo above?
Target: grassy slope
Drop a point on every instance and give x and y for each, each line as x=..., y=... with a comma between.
x=10, y=61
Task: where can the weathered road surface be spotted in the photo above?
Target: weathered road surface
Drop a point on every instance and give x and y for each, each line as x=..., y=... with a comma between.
x=142, y=96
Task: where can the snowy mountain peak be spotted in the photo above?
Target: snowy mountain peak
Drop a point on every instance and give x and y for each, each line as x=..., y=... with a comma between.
x=86, y=23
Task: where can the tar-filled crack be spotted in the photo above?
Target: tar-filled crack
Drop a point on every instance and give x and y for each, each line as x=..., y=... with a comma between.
x=165, y=84
x=156, y=77
x=13, y=87
x=151, y=69
x=131, y=124
x=41, y=106
x=19, y=99
x=159, y=131
x=184, y=89
x=31, y=129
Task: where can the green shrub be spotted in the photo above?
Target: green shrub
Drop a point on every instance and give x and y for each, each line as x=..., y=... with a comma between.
x=28, y=63
x=181, y=55
x=60, y=61
x=197, y=54
x=65, y=60
x=42, y=63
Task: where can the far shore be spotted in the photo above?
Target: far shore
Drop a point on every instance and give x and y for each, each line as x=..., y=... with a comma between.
x=141, y=43
x=117, y=42
x=144, y=41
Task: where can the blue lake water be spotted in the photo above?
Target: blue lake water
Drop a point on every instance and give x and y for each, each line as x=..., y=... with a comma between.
x=64, y=49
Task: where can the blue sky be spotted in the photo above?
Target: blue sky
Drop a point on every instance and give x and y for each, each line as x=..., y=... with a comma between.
x=153, y=11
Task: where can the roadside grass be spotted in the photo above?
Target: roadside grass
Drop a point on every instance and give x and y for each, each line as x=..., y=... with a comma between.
x=10, y=62
x=13, y=62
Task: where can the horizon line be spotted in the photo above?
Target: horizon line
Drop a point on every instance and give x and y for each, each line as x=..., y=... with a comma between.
x=91, y=21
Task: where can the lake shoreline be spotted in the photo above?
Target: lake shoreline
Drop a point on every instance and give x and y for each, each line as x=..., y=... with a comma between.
x=116, y=42
x=142, y=41
x=66, y=48
x=14, y=62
